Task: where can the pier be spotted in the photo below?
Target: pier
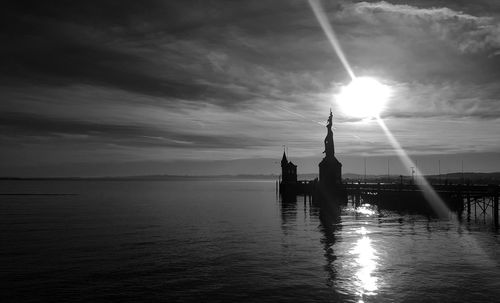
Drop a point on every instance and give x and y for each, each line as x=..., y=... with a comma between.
x=458, y=197
x=331, y=191
x=476, y=199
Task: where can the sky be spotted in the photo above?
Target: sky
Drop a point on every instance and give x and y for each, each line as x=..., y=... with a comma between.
x=104, y=88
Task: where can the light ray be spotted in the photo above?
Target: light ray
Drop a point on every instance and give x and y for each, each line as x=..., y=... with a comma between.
x=330, y=34
x=430, y=194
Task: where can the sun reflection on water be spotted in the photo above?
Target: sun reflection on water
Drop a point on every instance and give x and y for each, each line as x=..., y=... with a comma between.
x=365, y=209
x=365, y=263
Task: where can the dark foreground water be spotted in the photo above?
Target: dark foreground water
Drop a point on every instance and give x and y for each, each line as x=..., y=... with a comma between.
x=220, y=241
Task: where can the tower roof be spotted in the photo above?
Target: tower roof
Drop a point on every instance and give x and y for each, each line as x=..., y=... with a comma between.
x=284, y=160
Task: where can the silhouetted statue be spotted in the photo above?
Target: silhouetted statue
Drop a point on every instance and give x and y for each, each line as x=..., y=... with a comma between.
x=328, y=190
x=330, y=169
x=329, y=146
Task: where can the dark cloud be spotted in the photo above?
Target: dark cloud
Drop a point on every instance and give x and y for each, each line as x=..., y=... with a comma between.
x=122, y=45
x=18, y=127
x=226, y=77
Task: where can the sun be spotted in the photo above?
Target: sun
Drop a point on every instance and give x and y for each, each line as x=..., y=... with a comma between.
x=364, y=97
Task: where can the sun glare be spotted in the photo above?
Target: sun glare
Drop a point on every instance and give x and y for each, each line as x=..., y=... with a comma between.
x=363, y=98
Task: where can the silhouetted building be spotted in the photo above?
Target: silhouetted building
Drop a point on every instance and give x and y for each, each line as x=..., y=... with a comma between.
x=330, y=169
x=328, y=191
x=288, y=170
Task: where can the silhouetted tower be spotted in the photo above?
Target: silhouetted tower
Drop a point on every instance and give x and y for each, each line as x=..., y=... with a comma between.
x=330, y=169
x=288, y=170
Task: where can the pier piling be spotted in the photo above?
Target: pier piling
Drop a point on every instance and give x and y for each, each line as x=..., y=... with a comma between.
x=468, y=206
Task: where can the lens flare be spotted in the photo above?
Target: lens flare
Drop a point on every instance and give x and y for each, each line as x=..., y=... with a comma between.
x=330, y=34
x=363, y=98
x=358, y=92
x=369, y=282
x=429, y=193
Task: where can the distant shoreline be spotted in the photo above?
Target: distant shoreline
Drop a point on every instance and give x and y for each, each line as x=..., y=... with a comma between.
x=451, y=177
x=144, y=178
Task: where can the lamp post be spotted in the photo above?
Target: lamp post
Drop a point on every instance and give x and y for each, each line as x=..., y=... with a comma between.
x=365, y=170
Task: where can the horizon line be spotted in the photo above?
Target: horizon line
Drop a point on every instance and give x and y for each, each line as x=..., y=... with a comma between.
x=4, y=178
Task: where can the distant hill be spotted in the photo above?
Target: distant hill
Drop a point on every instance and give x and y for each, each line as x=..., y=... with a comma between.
x=466, y=177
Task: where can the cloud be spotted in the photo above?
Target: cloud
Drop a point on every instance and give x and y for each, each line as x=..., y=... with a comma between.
x=467, y=33
x=446, y=99
x=49, y=129
x=138, y=53
x=171, y=80
x=96, y=115
x=437, y=13
x=211, y=52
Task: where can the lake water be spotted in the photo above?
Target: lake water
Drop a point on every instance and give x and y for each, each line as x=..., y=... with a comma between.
x=229, y=241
